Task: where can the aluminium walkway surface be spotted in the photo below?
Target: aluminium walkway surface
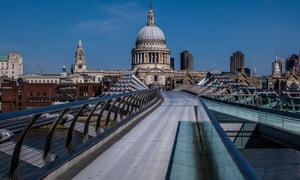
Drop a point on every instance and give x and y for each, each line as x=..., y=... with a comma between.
x=145, y=151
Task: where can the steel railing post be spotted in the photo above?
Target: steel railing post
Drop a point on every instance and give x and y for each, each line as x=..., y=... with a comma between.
x=98, y=123
x=87, y=123
x=47, y=147
x=13, y=171
x=68, y=144
x=109, y=111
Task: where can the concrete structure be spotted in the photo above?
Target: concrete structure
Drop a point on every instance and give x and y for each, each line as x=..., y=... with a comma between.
x=172, y=62
x=237, y=62
x=292, y=64
x=11, y=66
x=186, y=61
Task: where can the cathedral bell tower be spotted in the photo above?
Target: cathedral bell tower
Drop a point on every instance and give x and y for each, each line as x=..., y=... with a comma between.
x=80, y=65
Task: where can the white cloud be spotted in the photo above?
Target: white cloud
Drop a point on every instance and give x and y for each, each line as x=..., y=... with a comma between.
x=119, y=17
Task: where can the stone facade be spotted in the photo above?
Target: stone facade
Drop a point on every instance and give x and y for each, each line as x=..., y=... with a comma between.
x=186, y=61
x=151, y=59
x=11, y=66
x=80, y=65
x=237, y=62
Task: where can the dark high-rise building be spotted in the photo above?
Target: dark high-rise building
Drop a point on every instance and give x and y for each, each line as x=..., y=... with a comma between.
x=247, y=71
x=237, y=62
x=282, y=66
x=173, y=63
x=292, y=63
x=186, y=61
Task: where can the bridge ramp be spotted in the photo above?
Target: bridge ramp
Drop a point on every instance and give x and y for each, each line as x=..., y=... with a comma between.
x=145, y=151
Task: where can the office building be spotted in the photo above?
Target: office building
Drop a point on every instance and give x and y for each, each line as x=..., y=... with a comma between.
x=237, y=62
x=186, y=61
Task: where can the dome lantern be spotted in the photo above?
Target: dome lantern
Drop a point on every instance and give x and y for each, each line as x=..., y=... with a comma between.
x=150, y=31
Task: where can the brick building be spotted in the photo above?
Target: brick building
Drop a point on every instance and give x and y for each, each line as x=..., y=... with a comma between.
x=21, y=95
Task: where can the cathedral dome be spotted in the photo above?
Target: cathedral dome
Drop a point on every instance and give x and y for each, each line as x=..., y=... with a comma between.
x=151, y=33
x=151, y=52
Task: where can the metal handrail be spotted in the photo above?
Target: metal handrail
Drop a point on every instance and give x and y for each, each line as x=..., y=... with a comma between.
x=274, y=111
x=258, y=96
x=22, y=122
x=244, y=167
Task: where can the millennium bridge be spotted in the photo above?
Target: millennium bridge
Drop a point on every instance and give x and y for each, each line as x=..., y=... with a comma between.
x=204, y=131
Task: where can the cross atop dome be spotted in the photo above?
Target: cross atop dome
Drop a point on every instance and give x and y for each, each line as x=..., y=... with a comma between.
x=150, y=21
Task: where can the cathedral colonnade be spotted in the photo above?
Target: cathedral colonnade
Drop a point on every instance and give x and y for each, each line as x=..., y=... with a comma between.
x=151, y=58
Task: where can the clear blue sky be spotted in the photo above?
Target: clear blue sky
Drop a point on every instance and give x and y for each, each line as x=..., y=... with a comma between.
x=47, y=31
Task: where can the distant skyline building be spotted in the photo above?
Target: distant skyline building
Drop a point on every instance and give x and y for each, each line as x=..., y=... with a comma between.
x=282, y=65
x=278, y=67
x=173, y=63
x=276, y=71
x=186, y=61
x=80, y=64
x=11, y=66
x=292, y=64
x=247, y=71
x=237, y=62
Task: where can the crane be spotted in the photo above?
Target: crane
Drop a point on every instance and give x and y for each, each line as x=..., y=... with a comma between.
x=39, y=68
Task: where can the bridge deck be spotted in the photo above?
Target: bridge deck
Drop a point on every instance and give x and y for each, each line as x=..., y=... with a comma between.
x=145, y=151
x=28, y=154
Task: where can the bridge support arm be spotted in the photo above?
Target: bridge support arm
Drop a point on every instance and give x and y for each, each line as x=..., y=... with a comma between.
x=13, y=171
